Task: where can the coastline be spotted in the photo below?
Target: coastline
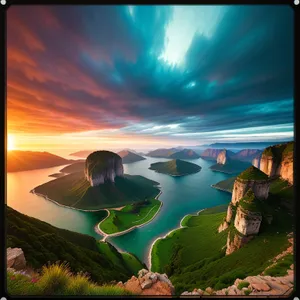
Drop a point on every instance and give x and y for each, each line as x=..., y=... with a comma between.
x=105, y=236
x=218, y=188
x=149, y=257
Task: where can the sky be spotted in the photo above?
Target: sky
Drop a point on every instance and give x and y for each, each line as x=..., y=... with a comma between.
x=145, y=77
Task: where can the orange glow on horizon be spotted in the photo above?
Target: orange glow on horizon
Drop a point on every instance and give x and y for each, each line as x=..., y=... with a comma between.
x=10, y=142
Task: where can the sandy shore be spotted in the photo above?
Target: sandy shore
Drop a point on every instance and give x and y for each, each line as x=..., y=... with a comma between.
x=105, y=236
x=166, y=235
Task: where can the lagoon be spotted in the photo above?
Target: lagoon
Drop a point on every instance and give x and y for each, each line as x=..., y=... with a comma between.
x=180, y=196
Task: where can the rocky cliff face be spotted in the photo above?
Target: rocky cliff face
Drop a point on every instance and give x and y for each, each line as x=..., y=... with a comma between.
x=235, y=242
x=103, y=166
x=222, y=157
x=210, y=153
x=259, y=187
x=247, y=222
x=256, y=161
x=278, y=160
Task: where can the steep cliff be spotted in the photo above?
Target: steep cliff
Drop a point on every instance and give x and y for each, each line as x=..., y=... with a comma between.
x=210, y=153
x=247, y=154
x=278, y=160
x=251, y=178
x=103, y=166
x=222, y=157
x=256, y=161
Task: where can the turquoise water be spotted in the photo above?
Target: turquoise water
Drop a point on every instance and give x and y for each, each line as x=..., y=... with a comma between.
x=180, y=196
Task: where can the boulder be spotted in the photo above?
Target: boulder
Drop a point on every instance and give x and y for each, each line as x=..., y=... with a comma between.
x=146, y=284
x=15, y=258
x=142, y=272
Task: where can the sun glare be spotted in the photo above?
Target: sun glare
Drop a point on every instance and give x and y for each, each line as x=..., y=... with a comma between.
x=10, y=142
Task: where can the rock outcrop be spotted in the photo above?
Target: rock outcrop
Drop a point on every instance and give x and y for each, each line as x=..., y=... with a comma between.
x=247, y=154
x=256, y=161
x=251, y=178
x=210, y=153
x=222, y=157
x=149, y=284
x=236, y=241
x=103, y=166
x=278, y=160
x=15, y=258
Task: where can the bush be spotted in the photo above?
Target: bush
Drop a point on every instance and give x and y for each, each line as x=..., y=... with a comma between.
x=243, y=284
x=247, y=292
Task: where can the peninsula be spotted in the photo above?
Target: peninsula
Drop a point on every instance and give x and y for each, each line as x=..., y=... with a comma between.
x=175, y=167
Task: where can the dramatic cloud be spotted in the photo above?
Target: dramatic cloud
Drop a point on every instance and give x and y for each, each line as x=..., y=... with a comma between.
x=182, y=73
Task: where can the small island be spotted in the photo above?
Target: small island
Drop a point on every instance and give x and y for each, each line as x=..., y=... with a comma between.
x=175, y=167
x=129, y=217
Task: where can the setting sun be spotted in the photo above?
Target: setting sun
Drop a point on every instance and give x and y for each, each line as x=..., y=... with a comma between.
x=10, y=142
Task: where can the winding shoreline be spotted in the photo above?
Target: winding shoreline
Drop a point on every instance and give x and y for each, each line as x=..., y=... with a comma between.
x=105, y=236
x=149, y=258
x=221, y=189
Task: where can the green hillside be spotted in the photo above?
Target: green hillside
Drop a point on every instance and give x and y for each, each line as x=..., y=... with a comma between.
x=175, y=167
x=253, y=173
x=225, y=185
x=43, y=243
x=203, y=263
x=75, y=191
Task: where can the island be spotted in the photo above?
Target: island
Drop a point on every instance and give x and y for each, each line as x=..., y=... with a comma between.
x=175, y=167
x=102, y=185
x=56, y=175
x=185, y=154
x=129, y=217
x=225, y=185
x=130, y=157
x=76, y=167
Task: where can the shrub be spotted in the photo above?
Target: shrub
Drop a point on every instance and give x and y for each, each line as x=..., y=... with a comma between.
x=247, y=292
x=243, y=284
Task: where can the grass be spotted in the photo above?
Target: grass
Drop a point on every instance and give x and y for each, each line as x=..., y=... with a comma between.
x=226, y=184
x=44, y=243
x=253, y=173
x=193, y=257
x=281, y=267
x=175, y=167
x=231, y=167
x=75, y=191
x=243, y=284
x=57, y=279
x=129, y=216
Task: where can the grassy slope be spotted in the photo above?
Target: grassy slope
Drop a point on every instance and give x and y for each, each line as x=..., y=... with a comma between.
x=202, y=263
x=226, y=184
x=57, y=279
x=253, y=173
x=130, y=216
x=42, y=242
x=175, y=167
x=75, y=191
x=231, y=167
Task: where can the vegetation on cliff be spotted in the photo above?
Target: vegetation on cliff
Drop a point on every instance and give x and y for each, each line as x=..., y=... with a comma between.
x=277, y=152
x=129, y=216
x=253, y=173
x=200, y=264
x=175, y=167
x=43, y=243
x=57, y=279
x=75, y=191
x=231, y=167
x=249, y=202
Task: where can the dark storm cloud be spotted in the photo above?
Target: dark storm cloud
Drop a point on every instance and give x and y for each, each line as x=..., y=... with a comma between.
x=100, y=65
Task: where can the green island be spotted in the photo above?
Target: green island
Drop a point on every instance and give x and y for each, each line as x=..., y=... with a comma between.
x=231, y=167
x=73, y=190
x=194, y=256
x=175, y=167
x=130, y=216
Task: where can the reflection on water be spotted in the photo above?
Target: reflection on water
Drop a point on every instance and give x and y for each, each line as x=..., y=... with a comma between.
x=181, y=196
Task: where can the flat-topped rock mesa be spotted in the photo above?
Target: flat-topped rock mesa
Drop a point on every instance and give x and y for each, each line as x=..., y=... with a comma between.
x=278, y=160
x=251, y=178
x=210, y=153
x=224, y=156
x=130, y=157
x=103, y=166
x=185, y=154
